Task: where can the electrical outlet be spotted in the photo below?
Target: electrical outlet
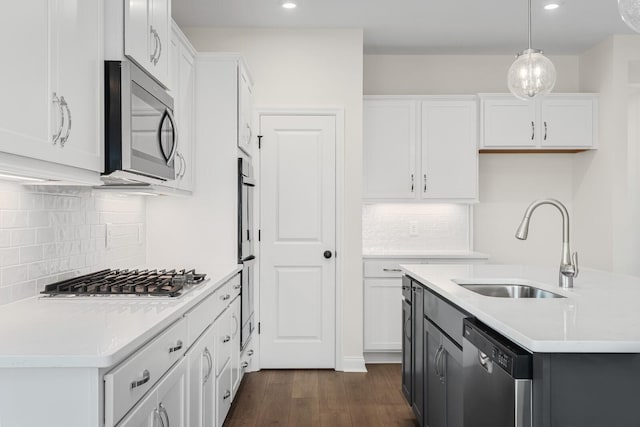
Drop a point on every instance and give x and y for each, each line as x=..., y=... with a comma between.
x=108, y=236
x=413, y=229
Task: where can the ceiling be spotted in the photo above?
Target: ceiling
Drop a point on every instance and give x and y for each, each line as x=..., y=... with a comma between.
x=424, y=26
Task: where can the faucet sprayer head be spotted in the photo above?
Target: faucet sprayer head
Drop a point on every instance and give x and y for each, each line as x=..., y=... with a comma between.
x=523, y=229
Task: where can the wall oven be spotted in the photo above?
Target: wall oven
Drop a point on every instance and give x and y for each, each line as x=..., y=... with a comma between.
x=246, y=247
x=141, y=137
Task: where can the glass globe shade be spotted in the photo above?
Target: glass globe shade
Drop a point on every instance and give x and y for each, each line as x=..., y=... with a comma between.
x=630, y=13
x=531, y=74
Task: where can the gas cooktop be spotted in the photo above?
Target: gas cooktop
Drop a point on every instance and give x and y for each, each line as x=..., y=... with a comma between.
x=153, y=283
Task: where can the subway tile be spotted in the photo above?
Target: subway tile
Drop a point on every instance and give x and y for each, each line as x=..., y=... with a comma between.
x=30, y=254
x=16, y=274
x=5, y=238
x=31, y=202
x=9, y=200
x=9, y=257
x=23, y=237
x=14, y=219
x=38, y=270
x=45, y=235
x=38, y=219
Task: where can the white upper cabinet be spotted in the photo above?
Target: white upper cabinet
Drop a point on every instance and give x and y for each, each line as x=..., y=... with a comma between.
x=141, y=31
x=245, y=111
x=53, y=101
x=449, y=150
x=421, y=148
x=182, y=74
x=390, y=140
x=554, y=122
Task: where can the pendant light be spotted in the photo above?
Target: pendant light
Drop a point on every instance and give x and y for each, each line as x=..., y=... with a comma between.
x=630, y=13
x=532, y=74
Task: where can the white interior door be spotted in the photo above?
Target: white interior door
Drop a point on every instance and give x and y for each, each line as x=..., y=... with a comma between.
x=298, y=214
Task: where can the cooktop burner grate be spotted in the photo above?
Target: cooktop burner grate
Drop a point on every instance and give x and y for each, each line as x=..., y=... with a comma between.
x=169, y=283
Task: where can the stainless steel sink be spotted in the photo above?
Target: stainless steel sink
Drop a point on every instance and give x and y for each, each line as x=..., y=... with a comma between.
x=508, y=290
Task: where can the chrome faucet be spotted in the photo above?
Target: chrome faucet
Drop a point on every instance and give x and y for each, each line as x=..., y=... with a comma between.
x=568, y=264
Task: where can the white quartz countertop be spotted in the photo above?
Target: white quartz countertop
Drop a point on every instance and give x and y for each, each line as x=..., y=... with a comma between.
x=601, y=314
x=91, y=331
x=425, y=254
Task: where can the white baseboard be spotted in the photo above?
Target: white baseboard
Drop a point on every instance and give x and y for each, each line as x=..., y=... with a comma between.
x=353, y=364
x=383, y=357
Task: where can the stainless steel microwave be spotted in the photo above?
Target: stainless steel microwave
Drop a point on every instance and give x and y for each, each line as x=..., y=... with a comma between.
x=141, y=137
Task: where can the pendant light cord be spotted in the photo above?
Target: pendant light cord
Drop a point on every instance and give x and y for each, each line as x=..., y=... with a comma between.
x=529, y=28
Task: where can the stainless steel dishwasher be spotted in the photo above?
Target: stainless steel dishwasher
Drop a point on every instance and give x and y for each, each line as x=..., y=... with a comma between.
x=497, y=379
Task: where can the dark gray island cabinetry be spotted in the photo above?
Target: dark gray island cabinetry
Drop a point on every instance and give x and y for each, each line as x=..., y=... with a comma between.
x=565, y=387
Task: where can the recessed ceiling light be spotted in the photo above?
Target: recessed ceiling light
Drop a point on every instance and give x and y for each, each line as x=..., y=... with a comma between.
x=552, y=4
x=289, y=4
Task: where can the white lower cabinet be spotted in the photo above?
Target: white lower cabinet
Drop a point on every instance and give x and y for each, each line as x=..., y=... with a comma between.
x=202, y=381
x=236, y=370
x=164, y=404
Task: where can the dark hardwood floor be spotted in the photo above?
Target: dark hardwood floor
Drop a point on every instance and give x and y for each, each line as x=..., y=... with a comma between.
x=322, y=398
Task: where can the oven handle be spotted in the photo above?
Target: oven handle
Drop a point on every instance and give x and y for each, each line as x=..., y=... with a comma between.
x=174, y=149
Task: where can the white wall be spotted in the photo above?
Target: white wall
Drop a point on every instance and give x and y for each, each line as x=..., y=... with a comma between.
x=49, y=234
x=508, y=182
x=313, y=68
x=607, y=183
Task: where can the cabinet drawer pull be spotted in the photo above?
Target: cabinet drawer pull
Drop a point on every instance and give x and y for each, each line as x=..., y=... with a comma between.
x=207, y=354
x=57, y=135
x=412, y=182
x=146, y=376
x=245, y=365
x=250, y=353
x=177, y=347
x=65, y=138
x=225, y=297
x=545, y=131
x=153, y=32
x=392, y=270
x=238, y=286
x=424, y=178
x=227, y=395
x=226, y=339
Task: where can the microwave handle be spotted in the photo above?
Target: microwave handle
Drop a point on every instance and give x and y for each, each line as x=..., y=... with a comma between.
x=174, y=149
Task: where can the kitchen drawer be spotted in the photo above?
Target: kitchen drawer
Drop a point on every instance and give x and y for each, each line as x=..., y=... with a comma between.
x=222, y=337
x=445, y=315
x=202, y=316
x=223, y=393
x=235, y=286
x=386, y=268
x=226, y=293
x=130, y=380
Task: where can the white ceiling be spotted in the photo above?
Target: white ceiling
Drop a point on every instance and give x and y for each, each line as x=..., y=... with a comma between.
x=424, y=26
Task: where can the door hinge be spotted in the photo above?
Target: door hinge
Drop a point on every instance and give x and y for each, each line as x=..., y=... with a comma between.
x=258, y=328
x=259, y=235
x=259, y=142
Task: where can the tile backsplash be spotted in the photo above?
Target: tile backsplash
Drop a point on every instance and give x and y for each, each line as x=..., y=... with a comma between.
x=388, y=227
x=52, y=233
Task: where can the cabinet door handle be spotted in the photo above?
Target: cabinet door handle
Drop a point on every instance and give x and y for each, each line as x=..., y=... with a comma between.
x=250, y=134
x=533, y=131
x=236, y=325
x=392, y=270
x=545, y=131
x=407, y=329
x=424, y=178
x=207, y=355
x=56, y=136
x=442, y=364
x=64, y=139
x=156, y=415
x=177, y=347
x=437, y=360
x=145, y=379
x=226, y=339
x=163, y=410
x=159, y=51
x=412, y=182
x=154, y=33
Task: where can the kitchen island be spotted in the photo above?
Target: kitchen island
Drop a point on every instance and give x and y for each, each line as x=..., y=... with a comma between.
x=584, y=346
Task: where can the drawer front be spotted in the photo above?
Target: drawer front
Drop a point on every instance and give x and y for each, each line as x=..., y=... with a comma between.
x=223, y=341
x=223, y=389
x=224, y=296
x=385, y=268
x=129, y=381
x=446, y=316
x=201, y=317
x=235, y=285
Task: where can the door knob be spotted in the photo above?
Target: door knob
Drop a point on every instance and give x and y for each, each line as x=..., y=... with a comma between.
x=328, y=254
